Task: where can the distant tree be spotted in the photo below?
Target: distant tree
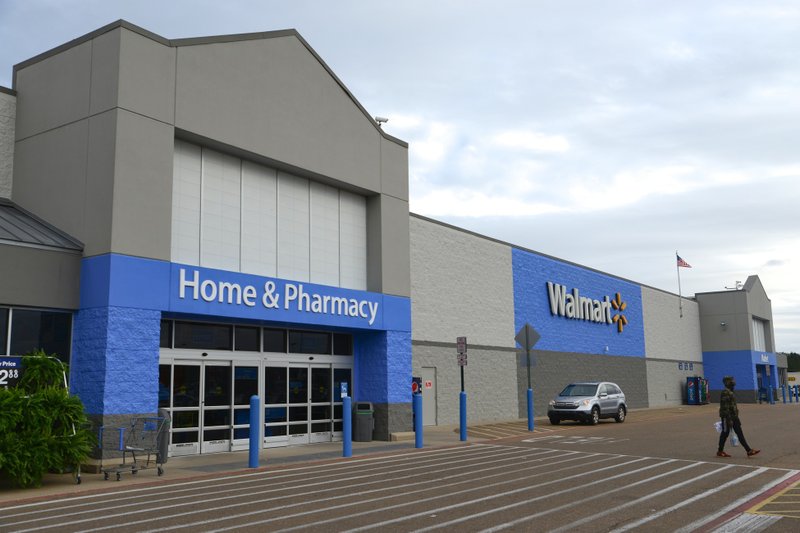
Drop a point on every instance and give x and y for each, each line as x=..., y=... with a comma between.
x=793, y=361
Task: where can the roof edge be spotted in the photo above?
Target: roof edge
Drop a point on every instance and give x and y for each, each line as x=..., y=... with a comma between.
x=197, y=41
x=547, y=256
x=76, y=245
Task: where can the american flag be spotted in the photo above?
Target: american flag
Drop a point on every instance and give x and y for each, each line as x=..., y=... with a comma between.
x=682, y=263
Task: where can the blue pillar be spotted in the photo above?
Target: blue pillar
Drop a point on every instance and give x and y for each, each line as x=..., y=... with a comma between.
x=416, y=404
x=255, y=431
x=769, y=391
x=530, y=409
x=783, y=391
x=347, y=427
x=462, y=406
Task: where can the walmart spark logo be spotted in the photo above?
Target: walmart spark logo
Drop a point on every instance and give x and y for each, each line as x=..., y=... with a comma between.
x=571, y=304
x=619, y=318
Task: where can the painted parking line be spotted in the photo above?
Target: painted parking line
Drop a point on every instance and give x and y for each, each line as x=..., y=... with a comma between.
x=784, y=503
x=315, y=482
x=574, y=439
x=732, y=513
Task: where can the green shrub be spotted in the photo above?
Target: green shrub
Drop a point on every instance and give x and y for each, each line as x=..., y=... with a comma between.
x=42, y=428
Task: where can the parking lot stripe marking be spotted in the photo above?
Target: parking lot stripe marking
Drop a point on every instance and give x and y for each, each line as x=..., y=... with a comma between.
x=550, y=510
x=776, y=504
x=272, y=474
x=710, y=519
x=696, y=497
x=335, y=473
x=389, y=497
x=306, y=525
x=512, y=492
x=315, y=483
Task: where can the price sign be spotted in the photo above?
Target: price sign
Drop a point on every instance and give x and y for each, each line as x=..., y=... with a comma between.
x=10, y=371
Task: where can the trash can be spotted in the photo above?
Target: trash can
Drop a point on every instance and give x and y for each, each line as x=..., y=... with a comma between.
x=363, y=421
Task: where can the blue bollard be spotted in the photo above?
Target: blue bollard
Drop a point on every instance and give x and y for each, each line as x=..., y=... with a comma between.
x=783, y=391
x=255, y=433
x=771, y=399
x=797, y=393
x=347, y=427
x=530, y=409
x=416, y=404
x=462, y=406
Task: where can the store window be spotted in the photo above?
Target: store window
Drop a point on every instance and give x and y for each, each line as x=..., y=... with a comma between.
x=200, y=336
x=313, y=342
x=166, y=334
x=275, y=340
x=342, y=344
x=207, y=336
x=247, y=339
x=33, y=329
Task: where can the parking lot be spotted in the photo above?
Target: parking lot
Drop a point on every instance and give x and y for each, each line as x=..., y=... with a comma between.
x=655, y=472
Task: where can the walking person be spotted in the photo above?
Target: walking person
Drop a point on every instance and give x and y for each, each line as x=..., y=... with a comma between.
x=729, y=413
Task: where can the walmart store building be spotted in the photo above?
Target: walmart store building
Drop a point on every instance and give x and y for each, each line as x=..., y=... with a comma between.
x=191, y=222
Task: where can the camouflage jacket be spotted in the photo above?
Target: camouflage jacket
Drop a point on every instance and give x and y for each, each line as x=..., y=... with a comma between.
x=727, y=405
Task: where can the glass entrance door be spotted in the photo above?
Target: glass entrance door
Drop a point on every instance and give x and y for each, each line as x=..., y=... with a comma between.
x=298, y=404
x=199, y=397
x=181, y=394
x=245, y=385
x=216, y=407
x=303, y=403
x=321, y=407
x=209, y=403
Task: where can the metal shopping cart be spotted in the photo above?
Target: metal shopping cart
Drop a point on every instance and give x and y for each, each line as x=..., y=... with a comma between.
x=143, y=444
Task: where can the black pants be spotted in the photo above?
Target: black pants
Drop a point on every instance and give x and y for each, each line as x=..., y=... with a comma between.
x=726, y=430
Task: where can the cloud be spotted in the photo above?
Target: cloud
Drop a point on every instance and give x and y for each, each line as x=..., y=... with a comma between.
x=530, y=141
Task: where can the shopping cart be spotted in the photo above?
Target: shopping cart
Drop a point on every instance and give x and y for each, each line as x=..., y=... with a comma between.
x=142, y=443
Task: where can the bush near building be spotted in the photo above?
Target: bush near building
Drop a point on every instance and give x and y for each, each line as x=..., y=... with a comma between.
x=42, y=428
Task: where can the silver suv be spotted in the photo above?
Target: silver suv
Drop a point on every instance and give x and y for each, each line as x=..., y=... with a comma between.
x=588, y=402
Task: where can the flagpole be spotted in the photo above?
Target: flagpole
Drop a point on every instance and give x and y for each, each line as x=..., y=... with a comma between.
x=678, y=268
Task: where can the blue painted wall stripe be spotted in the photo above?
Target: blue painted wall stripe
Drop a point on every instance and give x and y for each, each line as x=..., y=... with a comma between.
x=531, y=272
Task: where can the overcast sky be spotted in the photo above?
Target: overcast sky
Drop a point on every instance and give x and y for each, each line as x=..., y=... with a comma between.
x=607, y=133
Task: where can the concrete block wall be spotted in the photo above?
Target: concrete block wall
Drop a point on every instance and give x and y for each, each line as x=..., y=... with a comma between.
x=461, y=285
x=666, y=381
x=8, y=117
x=673, y=345
x=489, y=381
x=555, y=370
x=667, y=334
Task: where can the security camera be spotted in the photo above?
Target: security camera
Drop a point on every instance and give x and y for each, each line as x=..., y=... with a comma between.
x=381, y=120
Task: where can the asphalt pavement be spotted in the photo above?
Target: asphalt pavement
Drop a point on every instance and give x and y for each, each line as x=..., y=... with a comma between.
x=676, y=445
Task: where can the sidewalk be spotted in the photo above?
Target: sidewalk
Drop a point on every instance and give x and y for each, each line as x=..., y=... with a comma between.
x=198, y=466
